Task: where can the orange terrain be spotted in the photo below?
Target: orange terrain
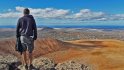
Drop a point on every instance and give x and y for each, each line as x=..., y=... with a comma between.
x=97, y=54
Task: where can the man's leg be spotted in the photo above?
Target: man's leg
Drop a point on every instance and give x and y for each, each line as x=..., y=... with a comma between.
x=30, y=49
x=30, y=58
x=24, y=58
x=24, y=46
x=24, y=54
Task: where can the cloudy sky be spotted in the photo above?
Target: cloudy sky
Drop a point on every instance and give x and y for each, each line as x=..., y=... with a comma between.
x=64, y=12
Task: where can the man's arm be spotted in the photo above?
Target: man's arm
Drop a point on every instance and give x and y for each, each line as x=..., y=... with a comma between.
x=35, y=29
x=17, y=29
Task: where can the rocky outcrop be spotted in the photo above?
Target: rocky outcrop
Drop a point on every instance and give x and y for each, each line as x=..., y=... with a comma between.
x=4, y=66
x=43, y=63
x=48, y=64
x=71, y=65
x=8, y=62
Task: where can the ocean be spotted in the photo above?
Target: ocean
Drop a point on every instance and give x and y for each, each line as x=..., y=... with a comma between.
x=72, y=26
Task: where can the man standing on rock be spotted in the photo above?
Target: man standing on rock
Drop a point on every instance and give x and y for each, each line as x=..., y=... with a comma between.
x=27, y=32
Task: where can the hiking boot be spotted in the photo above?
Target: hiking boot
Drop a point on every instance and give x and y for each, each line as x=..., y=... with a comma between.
x=21, y=67
x=31, y=67
x=26, y=67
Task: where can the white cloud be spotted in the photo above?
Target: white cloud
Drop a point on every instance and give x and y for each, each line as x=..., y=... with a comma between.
x=84, y=14
x=20, y=9
x=46, y=13
x=10, y=15
x=118, y=17
x=102, y=19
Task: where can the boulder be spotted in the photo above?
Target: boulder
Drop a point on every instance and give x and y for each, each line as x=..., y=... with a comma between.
x=71, y=65
x=10, y=62
x=43, y=63
x=6, y=61
x=4, y=66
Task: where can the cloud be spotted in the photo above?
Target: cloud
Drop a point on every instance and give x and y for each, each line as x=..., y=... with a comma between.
x=39, y=13
x=46, y=13
x=83, y=14
x=87, y=14
x=118, y=17
x=20, y=9
x=10, y=15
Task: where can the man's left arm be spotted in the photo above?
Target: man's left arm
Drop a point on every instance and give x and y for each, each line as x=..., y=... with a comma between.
x=17, y=29
x=35, y=29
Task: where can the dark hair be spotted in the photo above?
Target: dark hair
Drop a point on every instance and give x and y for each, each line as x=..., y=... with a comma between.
x=26, y=11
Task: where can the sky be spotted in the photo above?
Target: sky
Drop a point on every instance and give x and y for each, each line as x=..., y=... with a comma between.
x=64, y=12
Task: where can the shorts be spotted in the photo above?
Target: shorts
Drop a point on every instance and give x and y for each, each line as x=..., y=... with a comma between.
x=27, y=43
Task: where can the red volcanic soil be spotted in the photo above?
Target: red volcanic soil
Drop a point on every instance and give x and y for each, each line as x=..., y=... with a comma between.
x=99, y=54
x=45, y=46
x=42, y=46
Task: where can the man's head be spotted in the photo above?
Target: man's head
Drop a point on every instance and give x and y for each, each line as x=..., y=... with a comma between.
x=26, y=11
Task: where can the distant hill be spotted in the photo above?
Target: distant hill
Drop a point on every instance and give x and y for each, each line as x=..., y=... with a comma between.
x=68, y=34
x=47, y=28
x=42, y=46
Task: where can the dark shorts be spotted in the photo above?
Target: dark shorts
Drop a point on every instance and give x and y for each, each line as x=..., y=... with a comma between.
x=27, y=43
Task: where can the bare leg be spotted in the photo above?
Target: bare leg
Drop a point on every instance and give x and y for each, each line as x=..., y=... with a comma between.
x=30, y=58
x=24, y=58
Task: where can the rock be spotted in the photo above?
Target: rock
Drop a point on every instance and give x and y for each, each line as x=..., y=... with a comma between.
x=4, y=66
x=10, y=62
x=21, y=67
x=71, y=65
x=6, y=61
x=43, y=63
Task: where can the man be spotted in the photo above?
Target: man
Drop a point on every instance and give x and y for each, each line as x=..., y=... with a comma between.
x=27, y=32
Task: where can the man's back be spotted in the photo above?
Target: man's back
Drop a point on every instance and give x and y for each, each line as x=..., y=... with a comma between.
x=26, y=26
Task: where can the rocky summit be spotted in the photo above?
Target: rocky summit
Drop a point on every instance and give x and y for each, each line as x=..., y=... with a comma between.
x=10, y=62
x=71, y=65
x=43, y=63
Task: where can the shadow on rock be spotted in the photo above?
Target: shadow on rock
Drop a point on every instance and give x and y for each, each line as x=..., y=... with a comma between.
x=14, y=66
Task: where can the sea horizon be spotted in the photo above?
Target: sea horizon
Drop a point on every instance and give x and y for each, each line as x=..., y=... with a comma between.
x=72, y=26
